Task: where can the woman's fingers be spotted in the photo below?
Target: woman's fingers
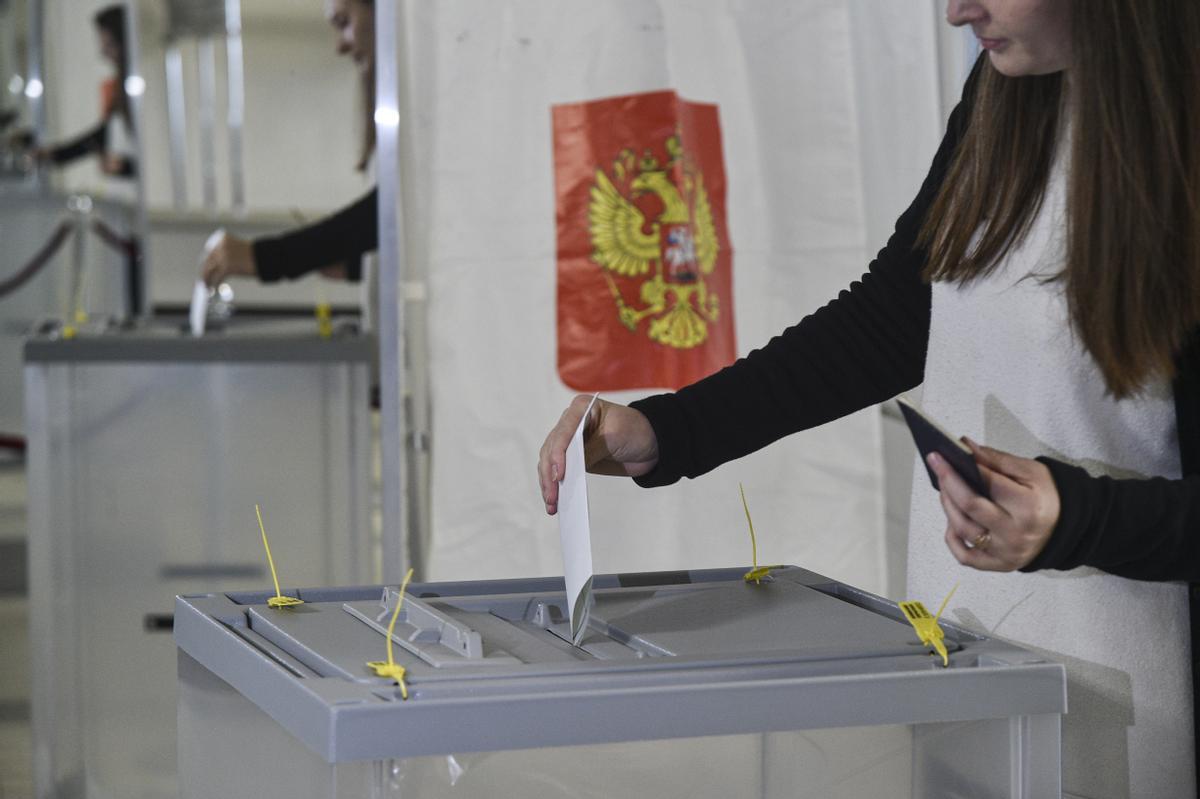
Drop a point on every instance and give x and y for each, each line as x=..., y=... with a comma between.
x=1020, y=470
x=552, y=458
x=984, y=558
x=1007, y=531
x=617, y=440
x=978, y=509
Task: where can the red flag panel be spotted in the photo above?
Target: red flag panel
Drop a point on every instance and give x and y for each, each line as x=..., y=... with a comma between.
x=645, y=266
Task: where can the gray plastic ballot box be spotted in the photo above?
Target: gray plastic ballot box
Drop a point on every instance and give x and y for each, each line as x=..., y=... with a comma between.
x=689, y=684
x=148, y=450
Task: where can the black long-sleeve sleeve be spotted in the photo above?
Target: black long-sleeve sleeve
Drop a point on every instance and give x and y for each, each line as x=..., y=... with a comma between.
x=860, y=349
x=91, y=141
x=1144, y=529
x=340, y=238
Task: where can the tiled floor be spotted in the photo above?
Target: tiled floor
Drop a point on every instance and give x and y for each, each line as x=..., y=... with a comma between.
x=15, y=779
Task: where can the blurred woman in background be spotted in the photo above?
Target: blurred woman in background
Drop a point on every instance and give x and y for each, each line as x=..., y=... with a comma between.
x=334, y=245
x=112, y=137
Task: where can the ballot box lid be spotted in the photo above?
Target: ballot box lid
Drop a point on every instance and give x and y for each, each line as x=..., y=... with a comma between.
x=489, y=665
x=166, y=340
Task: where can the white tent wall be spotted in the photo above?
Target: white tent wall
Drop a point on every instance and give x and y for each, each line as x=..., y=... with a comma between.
x=829, y=114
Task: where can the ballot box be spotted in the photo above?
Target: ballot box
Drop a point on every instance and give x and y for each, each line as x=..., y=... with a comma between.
x=148, y=450
x=688, y=684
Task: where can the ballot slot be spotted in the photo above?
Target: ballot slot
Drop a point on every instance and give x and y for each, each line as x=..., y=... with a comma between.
x=434, y=636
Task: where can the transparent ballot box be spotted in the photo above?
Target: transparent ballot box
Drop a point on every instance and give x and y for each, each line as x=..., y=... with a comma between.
x=148, y=451
x=689, y=684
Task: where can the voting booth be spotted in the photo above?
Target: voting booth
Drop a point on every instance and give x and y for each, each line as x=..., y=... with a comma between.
x=148, y=450
x=696, y=684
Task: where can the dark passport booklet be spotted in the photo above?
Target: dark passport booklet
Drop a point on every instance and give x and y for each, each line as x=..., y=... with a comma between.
x=930, y=437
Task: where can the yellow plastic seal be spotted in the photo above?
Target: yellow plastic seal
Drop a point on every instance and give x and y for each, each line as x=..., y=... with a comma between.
x=324, y=320
x=757, y=574
x=926, y=625
x=279, y=600
x=390, y=668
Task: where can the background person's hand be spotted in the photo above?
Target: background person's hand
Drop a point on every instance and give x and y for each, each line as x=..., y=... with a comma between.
x=112, y=164
x=229, y=257
x=335, y=272
x=617, y=440
x=1009, y=530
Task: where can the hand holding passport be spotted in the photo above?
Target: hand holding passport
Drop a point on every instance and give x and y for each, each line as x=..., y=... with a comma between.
x=929, y=437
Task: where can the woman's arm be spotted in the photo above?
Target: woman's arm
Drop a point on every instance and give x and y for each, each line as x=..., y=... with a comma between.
x=91, y=141
x=862, y=348
x=338, y=239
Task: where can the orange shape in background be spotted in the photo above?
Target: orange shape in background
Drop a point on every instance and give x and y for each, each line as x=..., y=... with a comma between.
x=645, y=265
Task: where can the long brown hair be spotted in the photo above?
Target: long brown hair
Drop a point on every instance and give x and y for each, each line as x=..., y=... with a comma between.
x=111, y=20
x=367, y=99
x=1132, y=95
x=367, y=103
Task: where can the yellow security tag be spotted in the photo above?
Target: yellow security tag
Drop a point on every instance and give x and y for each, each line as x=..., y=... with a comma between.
x=390, y=668
x=926, y=625
x=279, y=600
x=757, y=574
x=80, y=316
x=324, y=320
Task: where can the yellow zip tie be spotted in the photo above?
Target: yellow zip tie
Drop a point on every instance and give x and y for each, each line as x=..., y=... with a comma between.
x=757, y=574
x=324, y=319
x=391, y=668
x=279, y=600
x=927, y=626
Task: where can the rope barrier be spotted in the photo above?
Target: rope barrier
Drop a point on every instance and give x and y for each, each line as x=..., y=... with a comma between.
x=127, y=246
x=38, y=262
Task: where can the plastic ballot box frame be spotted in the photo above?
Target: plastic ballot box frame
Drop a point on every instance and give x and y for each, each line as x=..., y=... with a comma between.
x=148, y=450
x=687, y=683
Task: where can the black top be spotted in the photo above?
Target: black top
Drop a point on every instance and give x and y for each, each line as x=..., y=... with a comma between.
x=338, y=239
x=91, y=141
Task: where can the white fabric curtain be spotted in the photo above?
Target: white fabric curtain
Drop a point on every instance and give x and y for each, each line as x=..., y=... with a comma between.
x=829, y=115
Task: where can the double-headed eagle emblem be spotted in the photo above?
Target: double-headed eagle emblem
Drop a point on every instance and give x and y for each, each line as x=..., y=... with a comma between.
x=673, y=252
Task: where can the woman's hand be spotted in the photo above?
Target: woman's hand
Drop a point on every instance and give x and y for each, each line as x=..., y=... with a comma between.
x=1009, y=530
x=112, y=164
x=617, y=440
x=231, y=256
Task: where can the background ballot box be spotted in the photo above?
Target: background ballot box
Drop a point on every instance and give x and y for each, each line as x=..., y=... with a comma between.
x=147, y=453
x=689, y=684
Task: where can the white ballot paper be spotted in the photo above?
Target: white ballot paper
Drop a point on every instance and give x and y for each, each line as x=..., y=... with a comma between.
x=576, y=533
x=198, y=312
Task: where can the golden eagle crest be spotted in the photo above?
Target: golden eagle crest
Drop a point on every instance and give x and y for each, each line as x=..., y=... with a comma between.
x=672, y=252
